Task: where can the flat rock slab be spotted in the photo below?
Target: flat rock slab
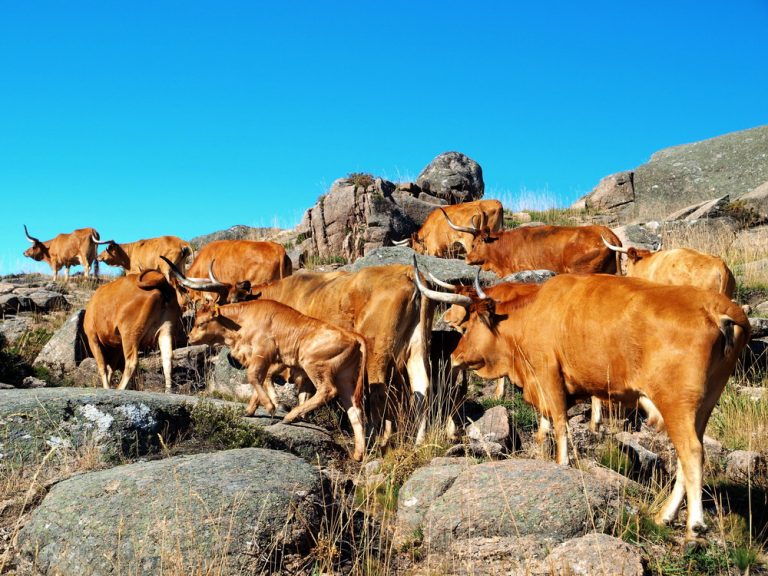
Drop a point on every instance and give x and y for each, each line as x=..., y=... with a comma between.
x=518, y=498
x=595, y=555
x=200, y=514
x=124, y=421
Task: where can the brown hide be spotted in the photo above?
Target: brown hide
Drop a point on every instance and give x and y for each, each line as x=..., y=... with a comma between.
x=562, y=249
x=266, y=336
x=614, y=338
x=682, y=267
x=65, y=250
x=241, y=260
x=135, y=257
x=132, y=313
x=437, y=238
x=382, y=304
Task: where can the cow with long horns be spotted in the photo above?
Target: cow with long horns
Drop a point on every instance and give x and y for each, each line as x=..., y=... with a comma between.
x=562, y=249
x=615, y=338
x=65, y=250
x=239, y=262
x=437, y=238
x=135, y=257
x=679, y=267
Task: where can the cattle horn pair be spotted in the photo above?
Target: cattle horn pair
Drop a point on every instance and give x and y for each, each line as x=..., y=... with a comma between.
x=459, y=299
x=403, y=242
x=30, y=238
x=209, y=284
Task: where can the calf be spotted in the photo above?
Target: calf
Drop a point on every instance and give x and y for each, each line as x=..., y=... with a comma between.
x=266, y=336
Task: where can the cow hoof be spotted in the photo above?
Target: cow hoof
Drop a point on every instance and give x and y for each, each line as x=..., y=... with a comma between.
x=694, y=542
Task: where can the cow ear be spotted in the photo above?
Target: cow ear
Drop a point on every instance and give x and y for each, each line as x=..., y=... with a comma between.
x=633, y=255
x=244, y=286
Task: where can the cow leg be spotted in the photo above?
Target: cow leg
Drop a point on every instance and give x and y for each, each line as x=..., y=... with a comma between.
x=597, y=415
x=544, y=429
x=418, y=375
x=105, y=370
x=256, y=373
x=303, y=397
x=683, y=434
x=86, y=266
x=324, y=392
x=500, y=384
x=165, y=342
x=131, y=361
x=66, y=274
x=674, y=500
x=654, y=416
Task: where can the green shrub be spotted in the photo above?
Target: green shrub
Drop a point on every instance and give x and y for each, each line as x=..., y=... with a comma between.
x=222, y=427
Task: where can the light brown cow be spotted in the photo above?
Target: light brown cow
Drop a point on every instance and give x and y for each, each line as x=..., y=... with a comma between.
x=382, y=304
x=239, y=261
x=679, y=267
x=130, y=314
x=266, y=336
x=135, y=257
x=75, y=248
x=437, y=238
x=562, y=249
x=615, y=338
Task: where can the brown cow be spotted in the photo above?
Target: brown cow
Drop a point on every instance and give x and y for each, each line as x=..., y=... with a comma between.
x=562, y=249
x=135, y=257
x=76, y=248
x=381, y=303
x=266, y=336
x=615, y=338
x=437, y=238
x=679, y=267
x=238, y=261
x=132, y=313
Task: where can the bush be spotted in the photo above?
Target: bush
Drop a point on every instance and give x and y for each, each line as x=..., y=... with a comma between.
x=222, y=427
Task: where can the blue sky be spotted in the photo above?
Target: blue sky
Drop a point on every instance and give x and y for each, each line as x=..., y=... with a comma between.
x=151, y=118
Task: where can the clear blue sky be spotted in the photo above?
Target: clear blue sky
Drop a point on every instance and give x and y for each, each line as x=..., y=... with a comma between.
x=150, y=118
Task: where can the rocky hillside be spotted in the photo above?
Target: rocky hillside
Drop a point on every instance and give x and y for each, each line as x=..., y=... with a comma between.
x=733, y=165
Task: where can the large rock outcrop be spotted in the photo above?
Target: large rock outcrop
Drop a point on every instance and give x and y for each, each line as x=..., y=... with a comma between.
x=233, y=512
x=362, y=212
x=733, y=164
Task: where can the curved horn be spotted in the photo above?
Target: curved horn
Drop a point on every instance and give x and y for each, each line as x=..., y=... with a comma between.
x=404, y=242
x=30, y=238
x=196, y=283
x=480, y=294
x=441, y=283
x=97, y=241
x=612, y=247
x=459, y=299
x=213, y=278
x=473, y=231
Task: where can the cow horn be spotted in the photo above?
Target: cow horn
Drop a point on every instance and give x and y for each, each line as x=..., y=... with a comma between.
x=213, y=277
x=30, y=238
x=403, y=242
x=459, y=299
x=201, y=284
x=97, y=241
x=473, y=231
x=612, y=247
x=441, y=283
x=480, y=294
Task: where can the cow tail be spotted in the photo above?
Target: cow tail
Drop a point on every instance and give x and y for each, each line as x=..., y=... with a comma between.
x=286, y=267
x=357, y=399
x=732, y=332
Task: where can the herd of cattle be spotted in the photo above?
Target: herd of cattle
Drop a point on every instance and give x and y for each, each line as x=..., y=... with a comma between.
x=666, y=336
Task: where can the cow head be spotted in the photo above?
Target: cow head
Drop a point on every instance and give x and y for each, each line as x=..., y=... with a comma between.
x=224, y=293
x=634, y=255
x=114, y=254
x=38, y=251
x=482, y=236
x=212, y=326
